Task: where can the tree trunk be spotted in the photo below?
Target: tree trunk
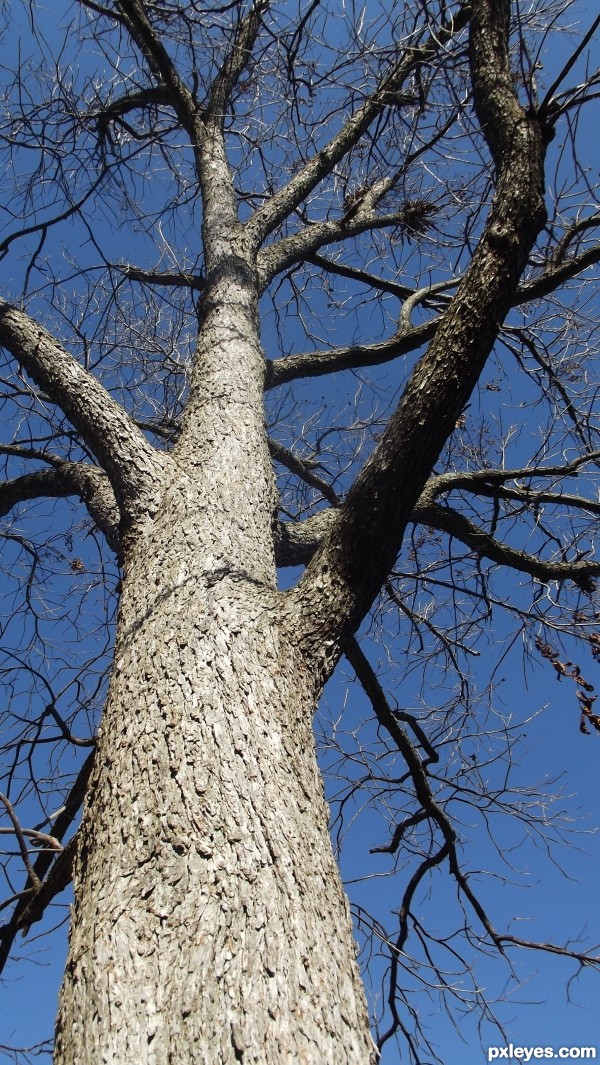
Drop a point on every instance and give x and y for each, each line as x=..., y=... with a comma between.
x=210, y=924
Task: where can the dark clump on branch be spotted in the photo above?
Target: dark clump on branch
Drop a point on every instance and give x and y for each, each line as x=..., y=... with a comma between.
x=570, y=669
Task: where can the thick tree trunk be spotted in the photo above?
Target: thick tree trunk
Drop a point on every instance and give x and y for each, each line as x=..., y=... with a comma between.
x=210, y=924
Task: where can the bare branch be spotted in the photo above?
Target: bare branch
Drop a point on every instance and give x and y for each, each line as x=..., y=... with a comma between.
x=316, y=364
x=298, y=541
x=236, y=61
x=166, y=278
x=486, y=546
x=555, y=275
x=347, y=571
x=545, y=108
x=130, y=462
x=490, y=479
x=296, y=465
x=275, y=258
x=319, y=363
x=133, y=15
x=59, y=878
x=34, y=887
x=21, y=839
x=284, y=202
x=66, y=479
x=43, y=227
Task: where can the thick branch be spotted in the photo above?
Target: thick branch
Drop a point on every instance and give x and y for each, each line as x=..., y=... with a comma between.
x=555, y=275
x=490, y=482
x=152, y=96
x=132, y=13
x=296, y=465
x=58, y=879
x=236, y=61
x=67, y=479
x=348, y=570
x=303, y=245
x=164, y=278
x=123, y=452
x=533, y=498
x=319, y=363
x=296, y=542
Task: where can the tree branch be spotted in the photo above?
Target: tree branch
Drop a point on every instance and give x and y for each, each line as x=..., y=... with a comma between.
x=284, y=202
x=362, y=276
x=304, y=244
x=38, y=898
x=133, y=15
x=166, y=278
x=152, y=96
x=20, y=834
x=295, y=465
x=555, y=275
x=545, y=109
x=348, y=570
x=59, y=877
x=319, y=363
x=67, y=479
x=236, y=61
x=431, y=811
x=389, y=719
x=121, y=449
x=486, y=546
x=489, y=481
x=43, y=227
x=297, y=542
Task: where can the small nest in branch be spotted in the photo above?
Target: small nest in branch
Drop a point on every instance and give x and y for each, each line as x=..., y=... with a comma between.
x=417, y=218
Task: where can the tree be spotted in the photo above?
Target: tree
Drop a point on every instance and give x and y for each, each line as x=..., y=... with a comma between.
x=199, y=199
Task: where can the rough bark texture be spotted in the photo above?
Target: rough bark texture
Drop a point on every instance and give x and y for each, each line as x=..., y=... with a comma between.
x=348, y=570
x=210, y=925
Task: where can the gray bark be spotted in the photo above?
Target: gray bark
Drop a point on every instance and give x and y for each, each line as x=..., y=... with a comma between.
x=210, y=923
x=360, y=549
